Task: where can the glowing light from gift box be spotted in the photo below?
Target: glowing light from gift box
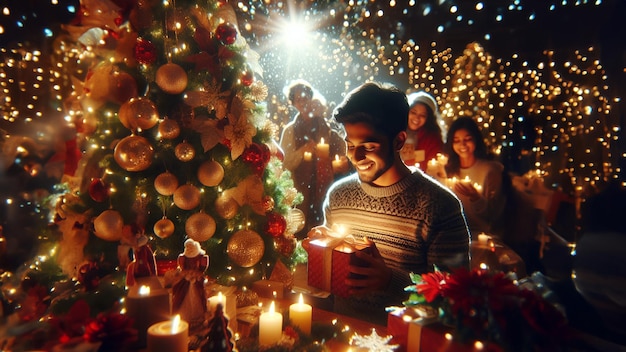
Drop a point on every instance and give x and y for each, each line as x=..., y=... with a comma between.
x=339, y=231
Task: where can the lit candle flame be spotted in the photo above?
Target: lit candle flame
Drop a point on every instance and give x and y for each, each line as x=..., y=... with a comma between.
x=301, y=300
x=272, y=308
x=144, y=290
x=175, y=323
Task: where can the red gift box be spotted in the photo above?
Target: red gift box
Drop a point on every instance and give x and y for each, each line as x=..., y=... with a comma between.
x=320, y=252
x=342, y=257
x=329, y=260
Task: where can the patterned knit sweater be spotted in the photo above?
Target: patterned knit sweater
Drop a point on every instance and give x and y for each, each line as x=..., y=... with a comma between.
x=415, y=223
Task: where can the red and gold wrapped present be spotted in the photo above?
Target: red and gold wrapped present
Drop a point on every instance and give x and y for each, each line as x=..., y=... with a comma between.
x=329, y=261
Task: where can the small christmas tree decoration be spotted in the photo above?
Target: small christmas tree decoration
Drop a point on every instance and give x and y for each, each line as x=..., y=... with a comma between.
x=220, y=337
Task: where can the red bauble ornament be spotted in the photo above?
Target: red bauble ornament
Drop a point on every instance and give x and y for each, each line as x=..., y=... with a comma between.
x=247, y=78
x=145, y=51
x=253, y=154
x=226, y=33
x=285, y=245
x=98, y=190
x=276, y=224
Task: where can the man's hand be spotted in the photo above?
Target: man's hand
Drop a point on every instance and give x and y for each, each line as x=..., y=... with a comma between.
x=375, y=276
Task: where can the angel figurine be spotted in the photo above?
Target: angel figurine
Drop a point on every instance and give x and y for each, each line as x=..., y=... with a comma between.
x=188, y=295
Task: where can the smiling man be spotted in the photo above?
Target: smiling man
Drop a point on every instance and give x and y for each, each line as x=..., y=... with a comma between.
x=412, y=221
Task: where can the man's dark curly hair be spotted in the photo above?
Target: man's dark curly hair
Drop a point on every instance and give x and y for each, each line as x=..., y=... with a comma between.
x=383, y=106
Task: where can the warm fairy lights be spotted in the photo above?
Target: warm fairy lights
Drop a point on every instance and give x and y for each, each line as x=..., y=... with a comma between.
x=554, y=111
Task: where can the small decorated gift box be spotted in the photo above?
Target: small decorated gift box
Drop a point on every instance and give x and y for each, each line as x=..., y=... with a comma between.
x=329, y=261
x=406, y=324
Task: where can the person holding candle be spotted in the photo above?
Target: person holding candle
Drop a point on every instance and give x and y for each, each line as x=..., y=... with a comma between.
x=480, y=179
x=424, y=137
x=411, y=221
x=309, y=144
x=188, y=294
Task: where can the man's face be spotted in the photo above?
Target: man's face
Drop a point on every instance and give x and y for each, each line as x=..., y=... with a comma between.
x=370, y=152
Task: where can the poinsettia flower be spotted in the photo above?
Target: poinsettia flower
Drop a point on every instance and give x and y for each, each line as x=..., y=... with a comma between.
x=110, y=326
x=249, y=191
x=239, y=131
x=478, y=288
x=72, y=323
x=431, y=285
x=210, y=133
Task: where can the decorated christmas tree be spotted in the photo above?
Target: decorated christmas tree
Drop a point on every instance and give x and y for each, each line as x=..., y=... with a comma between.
x=180, y=146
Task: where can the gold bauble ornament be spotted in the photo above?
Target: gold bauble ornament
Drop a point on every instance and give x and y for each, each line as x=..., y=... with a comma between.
x=166, y=183
x=171, y=78
x=138, y=113
x=187, y=197
x=295, y=220
x=108, y=225
x=210, y=173
x=184, y=151
x=226, y=206
x=245, y=248
x=200, y=227
x=169, y=129
x=164, y=228
x=133, y=153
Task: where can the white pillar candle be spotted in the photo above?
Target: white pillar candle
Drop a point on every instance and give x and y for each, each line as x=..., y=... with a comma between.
x=270, y=327
x=307, y=156
x=169, y=336
x=323, y=149
x=300, y=315
x=147, y=307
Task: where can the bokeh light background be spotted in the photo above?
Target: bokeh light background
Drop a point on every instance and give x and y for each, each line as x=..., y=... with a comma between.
x=543, y=77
